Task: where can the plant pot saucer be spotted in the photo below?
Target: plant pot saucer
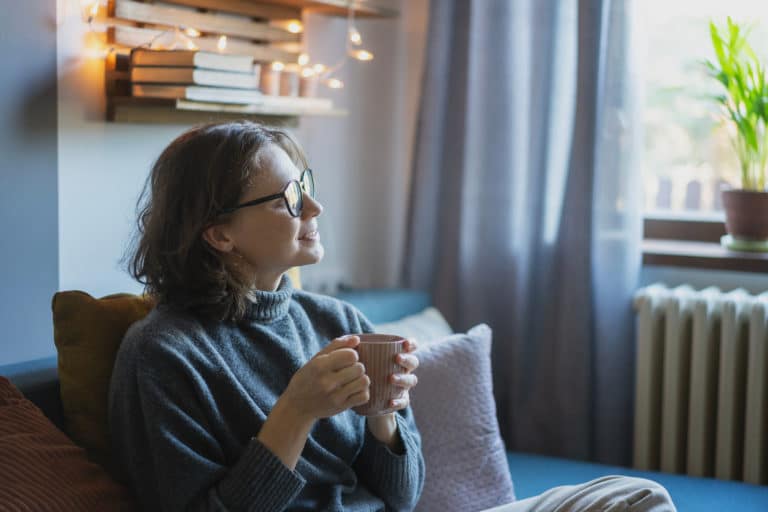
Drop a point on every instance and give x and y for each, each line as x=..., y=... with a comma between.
x=742, y=244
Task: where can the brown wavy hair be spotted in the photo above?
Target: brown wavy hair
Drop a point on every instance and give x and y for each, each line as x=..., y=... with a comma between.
x=203, y=171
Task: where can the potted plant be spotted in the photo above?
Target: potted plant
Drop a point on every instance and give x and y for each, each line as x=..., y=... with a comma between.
x=745, y=107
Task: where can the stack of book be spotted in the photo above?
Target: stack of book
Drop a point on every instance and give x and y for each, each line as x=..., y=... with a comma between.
x=206, y=77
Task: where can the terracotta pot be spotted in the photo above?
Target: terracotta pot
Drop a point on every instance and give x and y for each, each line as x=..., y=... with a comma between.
x=746, y=214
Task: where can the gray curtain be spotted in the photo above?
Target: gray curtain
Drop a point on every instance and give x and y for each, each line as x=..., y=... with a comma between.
x=525, y=209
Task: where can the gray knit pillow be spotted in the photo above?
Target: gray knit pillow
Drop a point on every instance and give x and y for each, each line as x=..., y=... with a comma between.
x=456, y=415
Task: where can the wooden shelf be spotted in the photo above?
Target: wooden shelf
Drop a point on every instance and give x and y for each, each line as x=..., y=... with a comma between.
x=362, y=8
x=150, y=110
x=291, y=9
x=253, y=27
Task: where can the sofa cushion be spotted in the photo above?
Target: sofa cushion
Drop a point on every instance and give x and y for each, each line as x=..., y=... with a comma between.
x=425, y=326
x=455, y=410
x=87, y=332
x=42, y=469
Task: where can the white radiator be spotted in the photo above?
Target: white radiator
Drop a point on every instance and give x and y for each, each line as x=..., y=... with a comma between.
x=701, y=383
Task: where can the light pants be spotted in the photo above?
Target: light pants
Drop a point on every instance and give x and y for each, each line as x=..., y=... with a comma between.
x=606, y=494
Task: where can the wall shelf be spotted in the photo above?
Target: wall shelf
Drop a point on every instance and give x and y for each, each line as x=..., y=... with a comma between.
x=362, y=8
x=257, y=28
x=151, y=110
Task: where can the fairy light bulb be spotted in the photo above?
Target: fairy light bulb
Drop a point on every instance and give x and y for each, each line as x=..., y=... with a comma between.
x=191, y=45
x=335, y=83
x=295, y=27
x=192, y=32
x=222, y=44
x=278, y=66
x=89, y=9
x=363, y=55
x=303, y=59
x=355, y=37
x=307, y=72
x=319, y=68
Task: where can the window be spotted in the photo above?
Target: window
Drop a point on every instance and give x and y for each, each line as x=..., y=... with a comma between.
x=688, y=153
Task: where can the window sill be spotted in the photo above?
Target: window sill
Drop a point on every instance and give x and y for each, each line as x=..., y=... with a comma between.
x=703, y=255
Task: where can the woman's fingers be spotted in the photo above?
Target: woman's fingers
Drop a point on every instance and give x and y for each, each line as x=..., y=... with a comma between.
x=407, y=361
x=339, y=359
x=410, y=345
x=400, y=403
x=404, y=380
x=359, y=398
x=348, y=341
x=350, y=373
x=356, y=387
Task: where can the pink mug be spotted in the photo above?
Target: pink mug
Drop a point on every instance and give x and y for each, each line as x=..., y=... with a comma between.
x=377, y=352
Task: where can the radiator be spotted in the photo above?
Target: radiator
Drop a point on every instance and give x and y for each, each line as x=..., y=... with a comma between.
x=701, y=383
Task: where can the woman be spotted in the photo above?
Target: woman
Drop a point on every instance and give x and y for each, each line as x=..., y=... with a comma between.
x=234, y=393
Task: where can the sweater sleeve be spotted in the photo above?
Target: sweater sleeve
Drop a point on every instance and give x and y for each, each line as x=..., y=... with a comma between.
x=174, y=458
x=398, y=479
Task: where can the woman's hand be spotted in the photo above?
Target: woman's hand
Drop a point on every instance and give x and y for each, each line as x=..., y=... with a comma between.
x=406, y=380
x=384, y=428
x=331, y=382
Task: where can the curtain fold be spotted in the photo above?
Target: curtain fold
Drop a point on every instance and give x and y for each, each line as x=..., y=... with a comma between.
x=525, y=209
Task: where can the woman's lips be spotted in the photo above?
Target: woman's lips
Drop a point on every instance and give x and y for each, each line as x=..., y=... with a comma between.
x=310, y=237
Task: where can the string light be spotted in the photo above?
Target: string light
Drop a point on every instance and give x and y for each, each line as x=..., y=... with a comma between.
x=295, y=27
x=363, y=55
x=334, y=83
x=95, y=46
x=89, y=10
x=182, y=35
x=355, y=37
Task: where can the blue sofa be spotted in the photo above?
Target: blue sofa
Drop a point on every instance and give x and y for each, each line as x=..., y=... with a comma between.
x=532, y=474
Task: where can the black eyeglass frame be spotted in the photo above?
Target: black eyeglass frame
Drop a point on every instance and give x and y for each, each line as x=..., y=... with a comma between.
x=283, y=194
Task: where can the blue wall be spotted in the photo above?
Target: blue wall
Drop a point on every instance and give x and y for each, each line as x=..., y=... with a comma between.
x=28, y=179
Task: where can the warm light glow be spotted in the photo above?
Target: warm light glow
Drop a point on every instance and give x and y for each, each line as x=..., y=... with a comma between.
x=191, y=45
x=295, y=27
x=222, y=44
x=303, y=59
x=362, y=55
x=335, y=83
x=307, y=72
x=89, y=9
x=319, y=68
x=192, y=32
x=94, y=46
x=278, y=66
x=355, y=37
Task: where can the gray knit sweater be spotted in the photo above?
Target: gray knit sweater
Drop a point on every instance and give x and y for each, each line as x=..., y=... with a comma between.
x=188, y=396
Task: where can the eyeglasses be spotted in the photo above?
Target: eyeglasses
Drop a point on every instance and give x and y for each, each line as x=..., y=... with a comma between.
x=293, y=194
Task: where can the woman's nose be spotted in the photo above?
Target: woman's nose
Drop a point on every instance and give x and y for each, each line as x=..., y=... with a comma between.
x=312, y=207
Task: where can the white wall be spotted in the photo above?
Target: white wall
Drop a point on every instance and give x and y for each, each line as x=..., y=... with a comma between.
x=362, y=161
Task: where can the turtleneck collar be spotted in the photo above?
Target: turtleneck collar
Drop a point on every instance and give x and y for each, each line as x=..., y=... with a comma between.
x=269, y=306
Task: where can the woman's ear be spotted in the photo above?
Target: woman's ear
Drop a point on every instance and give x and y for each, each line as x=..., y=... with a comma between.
x=217, y=237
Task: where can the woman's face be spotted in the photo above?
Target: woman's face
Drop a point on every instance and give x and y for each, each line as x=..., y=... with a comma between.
x=266, y=236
